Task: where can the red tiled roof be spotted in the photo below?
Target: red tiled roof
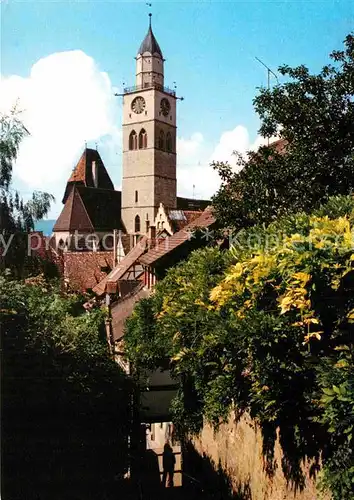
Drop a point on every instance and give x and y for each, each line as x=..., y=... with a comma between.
x=82, y=174
x=74, y=215
x=83, y=269
x=180, y=218
x=279, y=145
x=166, y=246
x=118, y=272
x=90, y=209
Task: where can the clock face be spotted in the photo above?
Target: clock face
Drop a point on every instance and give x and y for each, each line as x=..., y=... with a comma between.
x=165, y=106
x=138, y=104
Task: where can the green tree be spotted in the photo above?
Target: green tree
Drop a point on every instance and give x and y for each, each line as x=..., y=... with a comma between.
x=17, y=217
x=314, y=114
x=65, y=402
x=266, y=328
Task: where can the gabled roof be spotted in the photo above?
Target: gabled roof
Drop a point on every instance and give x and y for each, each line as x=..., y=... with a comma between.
x=82, y=173
x=170, y=243
x=74, y=215
x=90, y=209
x=124, y=265
x=103, y=207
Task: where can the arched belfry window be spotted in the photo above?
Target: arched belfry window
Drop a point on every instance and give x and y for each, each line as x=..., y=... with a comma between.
x=137, y=224
x=169, y=142
x=161, y=140
x=142, y=139
x=133, y=140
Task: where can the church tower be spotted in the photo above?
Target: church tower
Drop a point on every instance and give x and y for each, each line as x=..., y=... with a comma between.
x=149, y=141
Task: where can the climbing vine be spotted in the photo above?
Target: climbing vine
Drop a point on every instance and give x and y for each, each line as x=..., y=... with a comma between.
x=266, y=327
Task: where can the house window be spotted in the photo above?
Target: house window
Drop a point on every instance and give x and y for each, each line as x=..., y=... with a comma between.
x=133, y=140
x=136, y=197
x=147, y=226
x=169, y=142
x=161, y=140
x=142, y=139
x=137, y=224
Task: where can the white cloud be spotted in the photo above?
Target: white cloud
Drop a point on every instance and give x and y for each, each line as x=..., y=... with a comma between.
x=66, y=101
x=230, y=141
x=194, y=162
x=195, y=177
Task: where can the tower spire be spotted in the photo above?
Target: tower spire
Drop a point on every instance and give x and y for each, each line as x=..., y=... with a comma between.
x=149, y=44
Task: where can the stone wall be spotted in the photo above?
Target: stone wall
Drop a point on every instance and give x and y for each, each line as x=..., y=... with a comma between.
x=235, y=453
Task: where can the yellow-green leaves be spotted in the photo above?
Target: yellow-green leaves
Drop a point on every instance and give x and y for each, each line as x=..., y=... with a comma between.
x=350, y=316
x=287, y=272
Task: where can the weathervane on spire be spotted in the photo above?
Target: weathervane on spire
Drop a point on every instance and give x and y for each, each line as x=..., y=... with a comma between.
x=149, y=5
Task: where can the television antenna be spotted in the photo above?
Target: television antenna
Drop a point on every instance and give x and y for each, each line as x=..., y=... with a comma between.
x=269, y=72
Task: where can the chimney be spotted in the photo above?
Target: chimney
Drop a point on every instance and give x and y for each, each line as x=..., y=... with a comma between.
x=94, y=174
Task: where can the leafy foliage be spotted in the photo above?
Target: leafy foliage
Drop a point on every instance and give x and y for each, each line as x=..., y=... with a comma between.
x=336, y=378
x=66, y=404
x=314, y=114
x=17, y=217
x=266, y=327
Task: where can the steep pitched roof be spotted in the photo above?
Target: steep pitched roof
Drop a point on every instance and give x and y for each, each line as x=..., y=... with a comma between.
x=149, y=44
x=103, y=207
x=169, y=244
x=83, y=173
x=117, y=273
x=74, y=215
x=90, y=209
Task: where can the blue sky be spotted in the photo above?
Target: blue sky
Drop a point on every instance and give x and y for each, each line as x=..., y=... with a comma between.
x=210, y=50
